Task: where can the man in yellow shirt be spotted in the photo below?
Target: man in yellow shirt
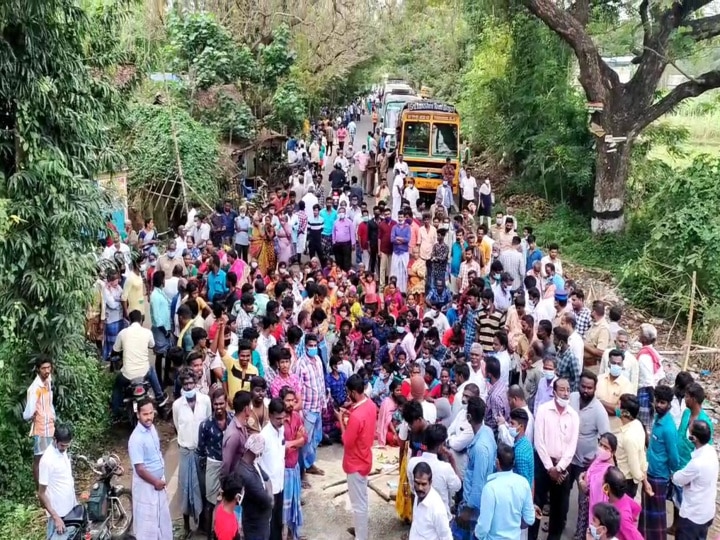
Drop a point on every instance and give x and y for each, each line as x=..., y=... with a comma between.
x=239, y=370
x=133, y=295
x=610, y=386
x=597, y=338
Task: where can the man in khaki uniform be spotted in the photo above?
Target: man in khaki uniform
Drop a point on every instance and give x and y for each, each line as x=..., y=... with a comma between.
x=597, y=338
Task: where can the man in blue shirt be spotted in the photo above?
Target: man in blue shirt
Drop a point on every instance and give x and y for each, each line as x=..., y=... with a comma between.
x=474, y=308
x=506, y=501
x=456, y=256
x=533, y=253
x=228, y=219
x=216, y=279
x=329, y=215
x=481, y=454
x=400, y=239
x=663, y=460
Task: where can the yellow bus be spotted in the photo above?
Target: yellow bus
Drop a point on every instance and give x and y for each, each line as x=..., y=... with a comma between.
x=428, y=132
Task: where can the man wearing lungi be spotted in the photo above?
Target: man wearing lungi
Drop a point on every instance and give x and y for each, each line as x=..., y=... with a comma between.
x=209, y=449
x=189, y=411
x=151, y=511
x=663, y=460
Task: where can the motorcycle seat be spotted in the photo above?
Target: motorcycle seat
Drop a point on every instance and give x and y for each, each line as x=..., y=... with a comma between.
x=138, y=381
x=77, y=517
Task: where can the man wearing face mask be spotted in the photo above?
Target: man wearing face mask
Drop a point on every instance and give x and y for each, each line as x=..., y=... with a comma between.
x=191, y=410
x=610, y=386
x=226, y=523
x=170, y=259
x=385, y=246
x=56, y=486
x=444, y=192
x=343, y=239
x=557, y=426
x=400, y=239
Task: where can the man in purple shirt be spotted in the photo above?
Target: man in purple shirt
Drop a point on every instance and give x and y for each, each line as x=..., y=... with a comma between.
x=343, y=238
x=400, y=239
x=236, y=433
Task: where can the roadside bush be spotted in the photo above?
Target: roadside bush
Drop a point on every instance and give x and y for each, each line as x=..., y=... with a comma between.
x=21, y=521
x=684, y=235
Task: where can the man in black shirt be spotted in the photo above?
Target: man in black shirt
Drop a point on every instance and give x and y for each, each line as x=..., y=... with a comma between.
x=355, y=189
x=373, y=238
x=337, y=178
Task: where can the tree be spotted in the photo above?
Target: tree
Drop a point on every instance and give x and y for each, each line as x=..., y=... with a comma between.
x=628, y=108
x=57, y=113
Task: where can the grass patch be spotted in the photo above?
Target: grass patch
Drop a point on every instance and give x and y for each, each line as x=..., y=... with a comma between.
x=571, y=231
x=703, y=137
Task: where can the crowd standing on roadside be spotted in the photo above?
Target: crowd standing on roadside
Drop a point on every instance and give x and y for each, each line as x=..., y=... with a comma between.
x=318, y=320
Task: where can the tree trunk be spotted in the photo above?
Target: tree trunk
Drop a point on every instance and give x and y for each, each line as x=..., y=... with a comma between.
x=611, y=174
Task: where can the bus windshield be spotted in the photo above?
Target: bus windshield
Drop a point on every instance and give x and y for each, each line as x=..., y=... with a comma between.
x=392, y=112
x=445, y=140
x=416, y=138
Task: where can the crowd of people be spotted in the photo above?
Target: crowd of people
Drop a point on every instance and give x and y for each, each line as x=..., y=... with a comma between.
x=464, y=345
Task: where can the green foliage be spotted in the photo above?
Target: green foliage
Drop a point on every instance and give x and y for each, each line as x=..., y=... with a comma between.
x=152, y=151
x=204, y=50
x=231, y=118
x=518, y=101
x=60, y=116
x=21, y=521
x=289, y=107
x=571, y=231
x=684, y=234
x=277, y=58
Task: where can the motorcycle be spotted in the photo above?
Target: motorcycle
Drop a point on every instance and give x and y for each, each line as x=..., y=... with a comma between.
x=106, y=512
x=137, y=390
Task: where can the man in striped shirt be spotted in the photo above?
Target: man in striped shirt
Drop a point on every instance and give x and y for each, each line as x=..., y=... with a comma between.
x=40, y=411
x=309, y=369
x=489, y=321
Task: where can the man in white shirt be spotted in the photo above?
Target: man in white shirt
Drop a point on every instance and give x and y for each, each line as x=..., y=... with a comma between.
x=401, y=166
x=631, y=370
x=272, y=461
x=445, y=475
x=460, y=432
x=56, y=486
x=477, y=373
x=468, y=185
x=191, y=410
x=117, y=247
x=430, y=520
x=411, y=194
x=135, y=343
x=698, y=480
x=397, y=193
x=516, y=400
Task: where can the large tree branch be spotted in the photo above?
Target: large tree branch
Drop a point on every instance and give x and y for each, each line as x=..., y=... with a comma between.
x=689, y=89
x=704, y=28
x=574, y=34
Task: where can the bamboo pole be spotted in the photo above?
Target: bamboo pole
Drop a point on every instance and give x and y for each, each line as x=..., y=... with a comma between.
x=689, y=332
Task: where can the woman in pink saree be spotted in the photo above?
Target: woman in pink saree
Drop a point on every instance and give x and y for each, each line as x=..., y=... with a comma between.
x=385, y=432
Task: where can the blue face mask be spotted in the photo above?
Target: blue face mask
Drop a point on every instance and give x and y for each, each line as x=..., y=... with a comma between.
x=615, y=370
x=189, y=394
x=513, y=432
x=312, y=351
x=594, y=532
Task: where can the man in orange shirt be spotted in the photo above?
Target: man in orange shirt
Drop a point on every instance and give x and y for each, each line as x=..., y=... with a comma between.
x=358, y=436
x=40, y=411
